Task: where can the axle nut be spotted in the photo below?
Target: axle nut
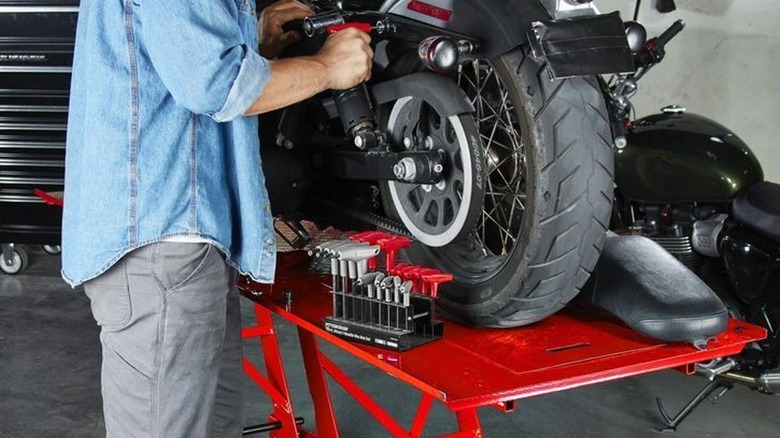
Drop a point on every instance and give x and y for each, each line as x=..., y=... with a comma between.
x=405, y=170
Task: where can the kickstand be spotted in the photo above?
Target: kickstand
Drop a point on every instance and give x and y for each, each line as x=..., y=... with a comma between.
x=703, y=394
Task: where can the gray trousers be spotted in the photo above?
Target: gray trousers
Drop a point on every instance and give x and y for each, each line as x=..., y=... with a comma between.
x=171, y=336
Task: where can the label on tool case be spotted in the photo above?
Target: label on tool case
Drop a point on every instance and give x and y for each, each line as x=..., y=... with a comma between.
x=341, y=330
x=362, y=334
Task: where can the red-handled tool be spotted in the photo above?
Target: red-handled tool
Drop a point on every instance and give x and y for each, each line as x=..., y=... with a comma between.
x=417, y=278
x=434, y=280
x=369, y=237
x=408, y=272
x=365, y=27
x=49, y=198
x=391, y=246
x=397, y=269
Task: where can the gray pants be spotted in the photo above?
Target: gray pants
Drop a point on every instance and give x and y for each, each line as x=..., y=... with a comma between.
x=171, y=335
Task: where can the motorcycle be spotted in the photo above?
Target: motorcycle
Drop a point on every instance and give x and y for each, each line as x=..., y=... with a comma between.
x=694, y=187
x=483, y=135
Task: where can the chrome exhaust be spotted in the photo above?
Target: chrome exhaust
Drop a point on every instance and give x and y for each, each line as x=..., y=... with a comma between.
x=768, y=383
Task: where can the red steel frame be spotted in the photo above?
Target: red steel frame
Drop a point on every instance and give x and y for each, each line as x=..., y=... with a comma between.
x=567, y=350
x=275, y=384
x=317, y=365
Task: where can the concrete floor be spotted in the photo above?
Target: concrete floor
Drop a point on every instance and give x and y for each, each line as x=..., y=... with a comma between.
x=50, y=385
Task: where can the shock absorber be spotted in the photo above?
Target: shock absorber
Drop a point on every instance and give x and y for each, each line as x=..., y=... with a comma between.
x=357, y=116
x=354, y=105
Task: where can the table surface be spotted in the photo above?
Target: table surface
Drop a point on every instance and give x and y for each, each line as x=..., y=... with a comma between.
x=473, y=367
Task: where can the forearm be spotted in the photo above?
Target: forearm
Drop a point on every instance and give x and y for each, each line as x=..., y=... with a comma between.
x=292, y=80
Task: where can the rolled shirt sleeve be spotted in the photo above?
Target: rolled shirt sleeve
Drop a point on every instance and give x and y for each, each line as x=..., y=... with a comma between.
x=253, y=76
x=199, y=52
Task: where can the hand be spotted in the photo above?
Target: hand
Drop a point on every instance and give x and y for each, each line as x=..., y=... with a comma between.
x=273, y=39
x=347, y=57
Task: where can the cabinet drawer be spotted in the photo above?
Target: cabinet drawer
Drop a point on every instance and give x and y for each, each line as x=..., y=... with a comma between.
x=32, y=177
x=12, y=84
x=33, y=140
x=22, y=122
x=36, y=37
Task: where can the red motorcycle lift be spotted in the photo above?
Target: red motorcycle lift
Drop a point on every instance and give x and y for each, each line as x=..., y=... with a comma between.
x=484, y=367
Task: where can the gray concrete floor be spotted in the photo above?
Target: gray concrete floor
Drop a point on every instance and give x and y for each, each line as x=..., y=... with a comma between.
x=50, y=383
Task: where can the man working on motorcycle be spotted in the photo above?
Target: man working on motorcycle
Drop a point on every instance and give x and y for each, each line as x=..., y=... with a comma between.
x=165, y=195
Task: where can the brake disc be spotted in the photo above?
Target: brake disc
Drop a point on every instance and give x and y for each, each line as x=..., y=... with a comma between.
x=441, y=213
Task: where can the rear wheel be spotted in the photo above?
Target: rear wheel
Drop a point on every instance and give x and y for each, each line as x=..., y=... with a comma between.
x=548, y=178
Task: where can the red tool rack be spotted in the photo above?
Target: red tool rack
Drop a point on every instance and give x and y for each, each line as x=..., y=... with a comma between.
x=484, y=367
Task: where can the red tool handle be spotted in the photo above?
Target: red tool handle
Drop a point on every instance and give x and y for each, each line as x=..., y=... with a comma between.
x=365, y=27
x=369, y=237
x=407, y=272
x=397, y=269
x=391, y=246
x=48, y=198
x=434, y=280
x=418, y=277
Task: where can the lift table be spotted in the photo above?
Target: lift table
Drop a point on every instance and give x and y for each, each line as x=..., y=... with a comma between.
x=469, y=368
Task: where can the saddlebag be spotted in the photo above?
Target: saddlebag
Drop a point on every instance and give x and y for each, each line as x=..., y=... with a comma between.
x=653, y=293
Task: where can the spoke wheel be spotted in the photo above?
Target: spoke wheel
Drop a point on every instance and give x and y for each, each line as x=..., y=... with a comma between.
x=547, y=200
x=501, y=136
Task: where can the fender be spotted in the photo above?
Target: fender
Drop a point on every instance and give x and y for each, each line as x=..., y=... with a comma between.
x=574, y=41
x=446, y=97
x=499, y=24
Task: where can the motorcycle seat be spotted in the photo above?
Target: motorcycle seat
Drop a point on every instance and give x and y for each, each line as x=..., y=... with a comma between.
x=759, y=208
x=648, y=289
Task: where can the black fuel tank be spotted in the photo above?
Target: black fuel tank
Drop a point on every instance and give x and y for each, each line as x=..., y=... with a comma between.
x=679, y=157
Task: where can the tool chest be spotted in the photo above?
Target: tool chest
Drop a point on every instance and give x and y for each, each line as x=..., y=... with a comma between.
x=36, y=53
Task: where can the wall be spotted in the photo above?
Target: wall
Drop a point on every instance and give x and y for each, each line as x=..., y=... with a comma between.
x=725, y=65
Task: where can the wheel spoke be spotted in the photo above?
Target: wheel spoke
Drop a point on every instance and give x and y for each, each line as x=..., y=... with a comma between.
x=500, y=133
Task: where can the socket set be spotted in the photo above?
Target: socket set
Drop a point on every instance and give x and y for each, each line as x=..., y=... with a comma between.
x=390, y=307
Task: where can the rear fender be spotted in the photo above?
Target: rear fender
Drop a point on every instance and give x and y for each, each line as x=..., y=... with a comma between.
x=499, y=25
x=446, y=97
x=574, y=40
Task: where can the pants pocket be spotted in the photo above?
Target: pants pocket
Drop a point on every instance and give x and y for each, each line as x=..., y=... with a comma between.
x=109, y=297
x=176, y=263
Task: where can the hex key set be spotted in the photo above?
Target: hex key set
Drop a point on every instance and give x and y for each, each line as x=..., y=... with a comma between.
x=391, y=308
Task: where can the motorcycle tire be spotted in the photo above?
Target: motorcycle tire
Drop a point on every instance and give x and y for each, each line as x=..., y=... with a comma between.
x=567, y=179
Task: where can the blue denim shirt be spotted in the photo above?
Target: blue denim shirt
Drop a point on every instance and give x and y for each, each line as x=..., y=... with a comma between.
x=157, y=142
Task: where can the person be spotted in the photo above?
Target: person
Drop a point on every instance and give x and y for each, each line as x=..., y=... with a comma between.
x=165, y=197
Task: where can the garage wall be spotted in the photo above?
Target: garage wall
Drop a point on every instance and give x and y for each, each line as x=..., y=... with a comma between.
x=725, y=65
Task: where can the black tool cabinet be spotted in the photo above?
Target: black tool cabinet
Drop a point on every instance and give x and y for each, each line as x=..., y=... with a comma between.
x=36, y=53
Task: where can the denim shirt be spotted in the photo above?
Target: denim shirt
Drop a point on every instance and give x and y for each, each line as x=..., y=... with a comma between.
x=157, y=142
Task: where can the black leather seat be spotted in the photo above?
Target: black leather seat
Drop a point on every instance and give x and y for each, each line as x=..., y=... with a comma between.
x=759, y=208
x=653, y=293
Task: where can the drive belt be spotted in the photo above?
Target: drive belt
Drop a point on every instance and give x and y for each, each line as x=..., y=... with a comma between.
x=370, y=218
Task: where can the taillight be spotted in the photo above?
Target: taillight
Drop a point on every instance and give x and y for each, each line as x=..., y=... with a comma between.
x=430, y=10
